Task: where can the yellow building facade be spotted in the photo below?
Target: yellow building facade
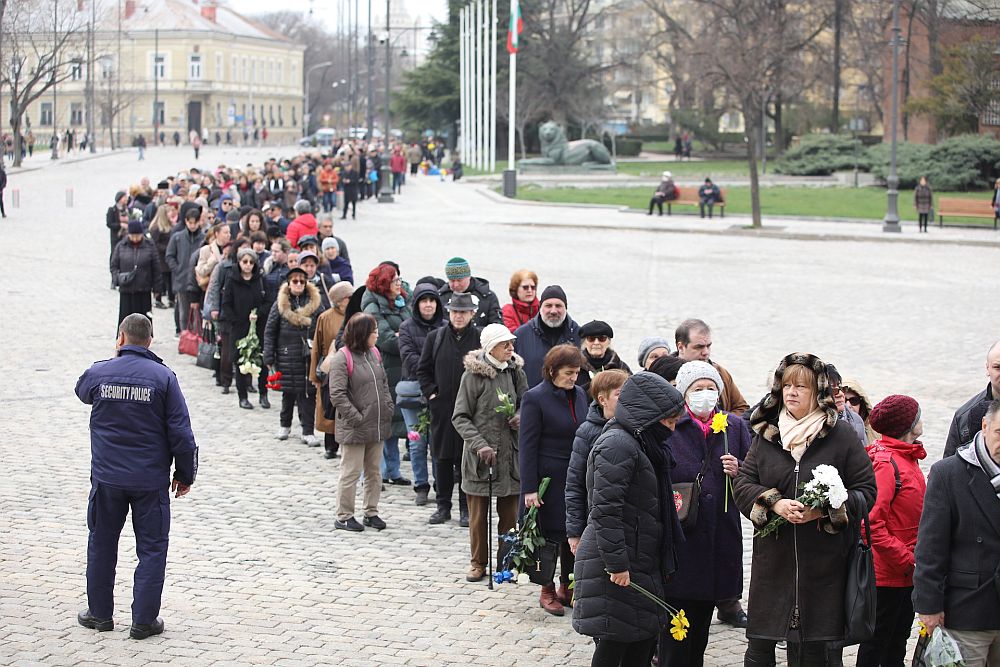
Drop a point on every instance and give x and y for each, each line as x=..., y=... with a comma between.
x=176, y=66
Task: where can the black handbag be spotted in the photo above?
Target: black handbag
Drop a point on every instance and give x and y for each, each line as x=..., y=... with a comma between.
x=208, y=348
x=543, y=569
x=860, y=601
x=408, y=395
x=687, y=497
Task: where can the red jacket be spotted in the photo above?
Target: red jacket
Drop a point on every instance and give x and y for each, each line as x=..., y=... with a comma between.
x=519, y=312
x=896, y=515
x=304, y=225
x=397, y=163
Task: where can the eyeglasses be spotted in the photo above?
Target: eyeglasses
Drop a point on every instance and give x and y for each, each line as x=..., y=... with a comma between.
x=528, y=288
x=854, y=400
x=506, y=343
x=297, y=282
x=591, y=339
x=397, y=281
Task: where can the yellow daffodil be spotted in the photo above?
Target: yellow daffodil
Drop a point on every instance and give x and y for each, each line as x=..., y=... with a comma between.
x=719, y=422
x=679, y=625
x=923, y=628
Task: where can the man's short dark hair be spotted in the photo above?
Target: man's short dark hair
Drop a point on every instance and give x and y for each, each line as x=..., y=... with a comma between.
x=192, y=213
x=992, y=409
x=683, y=333
x=138, y=329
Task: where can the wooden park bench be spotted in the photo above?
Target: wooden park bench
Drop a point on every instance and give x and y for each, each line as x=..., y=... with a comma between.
x=965, y=208
x=688, y=196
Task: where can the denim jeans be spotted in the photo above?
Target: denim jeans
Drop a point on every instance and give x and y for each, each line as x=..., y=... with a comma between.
x=418, y=450
x=329, y=201
x=390, y=458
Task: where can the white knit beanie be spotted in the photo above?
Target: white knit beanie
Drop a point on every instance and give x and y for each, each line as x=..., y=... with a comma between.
x=494, y=334
x=693, y=371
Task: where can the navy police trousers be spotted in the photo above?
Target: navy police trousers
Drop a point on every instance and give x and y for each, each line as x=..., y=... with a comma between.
x=106, y=511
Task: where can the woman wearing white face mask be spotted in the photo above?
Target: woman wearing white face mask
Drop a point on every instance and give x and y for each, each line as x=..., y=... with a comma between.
x=710, y=562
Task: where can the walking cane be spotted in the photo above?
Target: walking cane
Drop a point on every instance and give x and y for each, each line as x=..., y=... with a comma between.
x=489, y=530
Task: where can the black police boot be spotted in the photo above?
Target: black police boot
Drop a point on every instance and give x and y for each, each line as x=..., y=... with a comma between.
x=138, y=631
x=88, y=620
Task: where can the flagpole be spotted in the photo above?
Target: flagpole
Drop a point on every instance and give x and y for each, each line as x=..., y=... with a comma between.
x=493, y=90
x=510, y=173
x=464, y=111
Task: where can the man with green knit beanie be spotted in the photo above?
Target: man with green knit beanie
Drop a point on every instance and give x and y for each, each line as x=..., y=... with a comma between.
x=458, y=273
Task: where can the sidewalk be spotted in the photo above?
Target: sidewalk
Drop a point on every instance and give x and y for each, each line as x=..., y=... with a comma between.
x=781, y=227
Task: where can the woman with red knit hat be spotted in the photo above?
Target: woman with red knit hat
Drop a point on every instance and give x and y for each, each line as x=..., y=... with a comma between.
x=896, y=457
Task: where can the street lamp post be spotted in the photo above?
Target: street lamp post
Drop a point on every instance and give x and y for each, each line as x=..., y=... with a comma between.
x=891, y=221
x=307, y=116
x=385, y=192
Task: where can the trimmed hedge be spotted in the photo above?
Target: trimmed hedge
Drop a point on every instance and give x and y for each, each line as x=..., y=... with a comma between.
x=625, y=147
x=823, y=154
x=965, y=162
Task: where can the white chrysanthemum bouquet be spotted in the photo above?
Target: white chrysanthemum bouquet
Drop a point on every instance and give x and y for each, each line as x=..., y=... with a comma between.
x=825, y=490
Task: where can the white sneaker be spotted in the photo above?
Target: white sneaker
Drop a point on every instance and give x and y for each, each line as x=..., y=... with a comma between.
x=283, y=432
x=310, y=440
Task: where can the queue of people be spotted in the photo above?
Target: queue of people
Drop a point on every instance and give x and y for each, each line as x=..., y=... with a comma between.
x=649, y=472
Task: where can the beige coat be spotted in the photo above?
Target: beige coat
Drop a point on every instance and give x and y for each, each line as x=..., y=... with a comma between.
x=327, y=328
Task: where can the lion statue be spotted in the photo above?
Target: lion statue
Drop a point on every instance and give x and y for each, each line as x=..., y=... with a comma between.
x=557, y=151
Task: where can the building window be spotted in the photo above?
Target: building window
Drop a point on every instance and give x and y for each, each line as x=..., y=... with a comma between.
x=159, y=113
x=194, y=67
x=295, y=121
x=219, y=74
x=76, y=70
x=280, y=75
x=246, y=70
x=234, y=70
x=992, y=114
x=108, y=68
x=270, y=114
x=218, y=113
x=159, y=65
x=281, y=121
x=46, y=118
x=76, y=113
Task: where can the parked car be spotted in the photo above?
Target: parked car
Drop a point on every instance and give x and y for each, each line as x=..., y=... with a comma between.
x=322, y=137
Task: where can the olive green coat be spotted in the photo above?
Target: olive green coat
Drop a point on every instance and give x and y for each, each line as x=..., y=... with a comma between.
x=479, y=424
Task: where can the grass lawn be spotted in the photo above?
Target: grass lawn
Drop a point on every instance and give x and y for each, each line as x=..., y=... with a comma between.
x=865, y=203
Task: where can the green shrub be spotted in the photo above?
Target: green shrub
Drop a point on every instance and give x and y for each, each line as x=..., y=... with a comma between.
x=965, y=162
x=823, y=154
x=625, y=147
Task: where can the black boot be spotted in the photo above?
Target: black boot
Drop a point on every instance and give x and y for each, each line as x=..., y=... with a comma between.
x=264, y=403
x=442, y=514
x=463, y=511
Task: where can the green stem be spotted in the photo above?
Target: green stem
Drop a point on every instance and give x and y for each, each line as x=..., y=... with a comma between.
x=653, y=598
x=729, y=480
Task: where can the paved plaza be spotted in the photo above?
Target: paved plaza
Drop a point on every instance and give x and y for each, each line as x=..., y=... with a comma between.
x=256, y=572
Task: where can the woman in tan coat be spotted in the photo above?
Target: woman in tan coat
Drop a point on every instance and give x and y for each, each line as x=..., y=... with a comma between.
x=327, y=327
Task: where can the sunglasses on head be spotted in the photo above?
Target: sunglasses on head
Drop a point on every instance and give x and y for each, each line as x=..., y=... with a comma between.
x=603, y=339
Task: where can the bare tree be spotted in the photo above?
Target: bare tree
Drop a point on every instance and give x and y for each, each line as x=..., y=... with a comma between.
x=34, y=58
x=750, y=43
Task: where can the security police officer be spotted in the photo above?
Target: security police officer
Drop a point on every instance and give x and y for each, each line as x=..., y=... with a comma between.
x=138, y=425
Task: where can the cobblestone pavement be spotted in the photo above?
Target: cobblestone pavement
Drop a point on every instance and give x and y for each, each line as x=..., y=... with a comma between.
x=256, y=573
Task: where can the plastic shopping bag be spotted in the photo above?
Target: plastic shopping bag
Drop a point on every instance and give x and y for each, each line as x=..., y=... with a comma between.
x=941, y=650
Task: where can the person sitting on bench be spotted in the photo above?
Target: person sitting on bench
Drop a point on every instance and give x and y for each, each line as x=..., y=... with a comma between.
x=708, y=196
x=665, y=191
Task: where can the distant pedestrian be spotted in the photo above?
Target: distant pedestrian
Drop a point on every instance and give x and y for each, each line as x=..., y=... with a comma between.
x=678, y=148
x=136, y=429
x=923, y=201
x=195, y=143
x=135, y=270
x=140, y=143
x=177, y=138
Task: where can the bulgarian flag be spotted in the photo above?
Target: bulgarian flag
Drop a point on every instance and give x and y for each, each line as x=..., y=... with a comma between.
x=516, y=26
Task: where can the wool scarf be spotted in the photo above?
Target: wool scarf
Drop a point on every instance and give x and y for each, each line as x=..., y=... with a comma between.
x=798, y=434
x=987, y=463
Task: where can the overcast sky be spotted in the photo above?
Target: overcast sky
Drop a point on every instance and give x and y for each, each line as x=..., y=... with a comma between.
x=326, y=10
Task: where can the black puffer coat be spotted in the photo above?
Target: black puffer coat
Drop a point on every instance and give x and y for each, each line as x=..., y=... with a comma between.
x=413, y=332
x=290, y=323
x=141, y=258
x=577, y=507
x=632, y=525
